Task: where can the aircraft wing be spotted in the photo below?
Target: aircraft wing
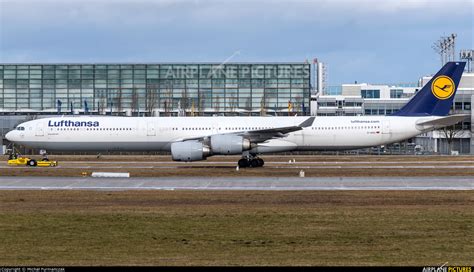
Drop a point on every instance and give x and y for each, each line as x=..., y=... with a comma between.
x=262, y=135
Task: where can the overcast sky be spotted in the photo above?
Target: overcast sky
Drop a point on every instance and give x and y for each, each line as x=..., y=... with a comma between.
x=376, y=41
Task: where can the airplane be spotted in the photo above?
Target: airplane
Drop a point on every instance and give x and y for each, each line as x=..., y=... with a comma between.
x=196, y=138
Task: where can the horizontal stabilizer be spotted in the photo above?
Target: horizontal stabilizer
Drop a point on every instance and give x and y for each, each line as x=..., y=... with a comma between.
x=444, y=121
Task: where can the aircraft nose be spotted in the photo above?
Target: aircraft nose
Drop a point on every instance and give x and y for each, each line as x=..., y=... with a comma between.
x=9, y=136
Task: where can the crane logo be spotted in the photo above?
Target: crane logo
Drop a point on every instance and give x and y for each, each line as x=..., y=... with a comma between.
x=442, y=87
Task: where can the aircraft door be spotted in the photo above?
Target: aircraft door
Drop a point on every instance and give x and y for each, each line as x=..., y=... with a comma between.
x=141, y=131
x=215, y=128
x=299, y=138
x=151, y=129
x=39, y=129
x=386, y=127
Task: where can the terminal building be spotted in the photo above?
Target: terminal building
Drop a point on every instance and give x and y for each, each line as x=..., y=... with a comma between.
x=29, y=91
x=385, y=99
x=155, y=89
x=161, y=89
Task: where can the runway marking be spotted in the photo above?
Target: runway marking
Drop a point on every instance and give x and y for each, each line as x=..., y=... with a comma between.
x=254, y=183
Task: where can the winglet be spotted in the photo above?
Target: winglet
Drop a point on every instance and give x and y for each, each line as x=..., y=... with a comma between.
x=308, y=122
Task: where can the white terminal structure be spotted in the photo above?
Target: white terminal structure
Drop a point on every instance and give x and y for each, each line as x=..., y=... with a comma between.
x=385, y=99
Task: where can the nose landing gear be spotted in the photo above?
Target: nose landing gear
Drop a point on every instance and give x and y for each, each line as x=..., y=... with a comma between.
x=44, y=154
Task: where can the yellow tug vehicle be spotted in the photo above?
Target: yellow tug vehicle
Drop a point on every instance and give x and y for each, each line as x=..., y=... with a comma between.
x=14, y=160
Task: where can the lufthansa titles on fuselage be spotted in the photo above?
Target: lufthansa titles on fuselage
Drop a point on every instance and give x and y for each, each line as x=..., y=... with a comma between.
x=70, y=123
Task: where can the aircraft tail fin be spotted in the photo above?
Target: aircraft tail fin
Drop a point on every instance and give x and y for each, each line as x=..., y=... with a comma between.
x=436, y=97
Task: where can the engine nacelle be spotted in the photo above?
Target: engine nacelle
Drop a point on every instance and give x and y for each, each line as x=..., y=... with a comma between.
x=189, y=151
x=229, y=144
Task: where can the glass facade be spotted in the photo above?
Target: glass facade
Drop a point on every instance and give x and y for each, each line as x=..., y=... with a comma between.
x=370, y=93
x=147, y=89
x=396, y=93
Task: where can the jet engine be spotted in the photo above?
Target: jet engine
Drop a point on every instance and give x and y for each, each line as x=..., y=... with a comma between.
x=228, y=144
x=189, y=151
x=215, y=145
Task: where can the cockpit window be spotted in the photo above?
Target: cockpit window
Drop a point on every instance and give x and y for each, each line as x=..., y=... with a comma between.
x=20, y=128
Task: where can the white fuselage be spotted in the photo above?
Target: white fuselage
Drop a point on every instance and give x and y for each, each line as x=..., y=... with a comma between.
x=92, y=133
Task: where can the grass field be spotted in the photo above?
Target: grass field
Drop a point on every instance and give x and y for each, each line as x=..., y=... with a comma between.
x=236, y=228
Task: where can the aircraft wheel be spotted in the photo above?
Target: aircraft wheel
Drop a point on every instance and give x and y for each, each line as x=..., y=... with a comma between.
x=255, y=163
x=32, y=163
x=243, y=163
x=260, y=162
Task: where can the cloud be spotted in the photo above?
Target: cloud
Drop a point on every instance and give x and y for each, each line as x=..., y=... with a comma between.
x=164, y=11
x=348, y=35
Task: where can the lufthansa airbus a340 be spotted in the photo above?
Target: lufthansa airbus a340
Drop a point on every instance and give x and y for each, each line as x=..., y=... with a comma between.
x=196, y=138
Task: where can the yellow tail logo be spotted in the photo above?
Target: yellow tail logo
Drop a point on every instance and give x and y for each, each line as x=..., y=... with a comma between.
x=442, y=87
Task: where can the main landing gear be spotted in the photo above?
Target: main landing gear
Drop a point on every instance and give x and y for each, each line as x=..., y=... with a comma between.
x=250, y=160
